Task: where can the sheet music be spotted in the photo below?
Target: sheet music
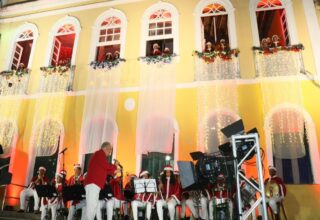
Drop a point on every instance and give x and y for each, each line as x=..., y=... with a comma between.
x=145, y=185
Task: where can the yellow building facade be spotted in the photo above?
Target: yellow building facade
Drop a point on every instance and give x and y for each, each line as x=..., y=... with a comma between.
x=192, y=95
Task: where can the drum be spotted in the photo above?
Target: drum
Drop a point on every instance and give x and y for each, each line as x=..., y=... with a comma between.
x=247, y=192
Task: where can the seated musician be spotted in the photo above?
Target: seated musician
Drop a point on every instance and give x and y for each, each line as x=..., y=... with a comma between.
x=221, y=196
x=77, y=178
x=118, y=199
x=105, y=194
x=41, y=179
x=275, y=191
x=170, y=194
x=145, y=200
x=203, y=196
x=55, y=202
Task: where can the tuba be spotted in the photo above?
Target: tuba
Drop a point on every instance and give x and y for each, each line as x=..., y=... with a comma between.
x=272, y=189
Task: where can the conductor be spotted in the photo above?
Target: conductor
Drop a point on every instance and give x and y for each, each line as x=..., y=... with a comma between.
x=98, y=169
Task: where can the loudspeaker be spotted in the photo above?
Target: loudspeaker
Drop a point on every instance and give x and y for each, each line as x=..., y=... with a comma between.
x=188, y=175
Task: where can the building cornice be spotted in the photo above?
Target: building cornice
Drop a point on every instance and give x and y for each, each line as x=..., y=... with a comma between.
x=13, y=12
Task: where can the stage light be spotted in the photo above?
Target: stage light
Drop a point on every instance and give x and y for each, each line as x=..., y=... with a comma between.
x=168, y=158
x=242, y=147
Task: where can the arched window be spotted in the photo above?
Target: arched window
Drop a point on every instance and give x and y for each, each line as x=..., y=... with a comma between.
x=291, y=146
x=22, y=48
x=273, y=21
x=109, y=34
x=160, y=26
x=64, y=37
x=214, y=21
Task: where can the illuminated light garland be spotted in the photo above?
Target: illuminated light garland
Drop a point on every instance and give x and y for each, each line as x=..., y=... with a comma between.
x=168, y=58
x=19, y=73
x=106, y=64
x=49, y=70
x=210, y=57
x=271, y=50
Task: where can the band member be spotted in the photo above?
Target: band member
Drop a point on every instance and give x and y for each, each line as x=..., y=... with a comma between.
x=98, y=169
x=221, y=195
x=169, y=193
x=275, y=191
x=78, y=179
x=145, y=200
x=105, y=194
x=41, y=179
x=203, y=198
x=56, y=202
x=118, y=198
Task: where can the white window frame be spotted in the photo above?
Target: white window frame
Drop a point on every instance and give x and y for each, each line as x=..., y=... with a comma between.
x=145, y=27
x=97, y=27
x=54, y=32
x=287, y=6
x=15, y=39
x=231, y=22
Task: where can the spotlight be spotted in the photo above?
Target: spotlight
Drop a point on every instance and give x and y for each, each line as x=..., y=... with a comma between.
x=242, y=147
x=168, y=158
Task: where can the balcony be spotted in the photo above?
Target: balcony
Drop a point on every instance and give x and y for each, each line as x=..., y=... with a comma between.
x=56, y=78
x=14, y=82
x=217, y=65
x=278, y=61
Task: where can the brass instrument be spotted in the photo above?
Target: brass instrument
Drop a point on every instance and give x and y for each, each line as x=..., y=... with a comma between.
x=272, y=189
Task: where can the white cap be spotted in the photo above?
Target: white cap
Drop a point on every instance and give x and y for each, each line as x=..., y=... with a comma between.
x=272, y=168
x=42, y=168
x=144, y=172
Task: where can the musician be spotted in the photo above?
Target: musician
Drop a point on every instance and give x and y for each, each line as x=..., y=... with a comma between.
x=118, y=198
x=169, y=193
x=221, y=195
x=205, y=196
x=105, y=194
x=145, y=200
x=275, y=191
x=76, y=179
x=56, y=202
x=41, y=179
x=98, y=169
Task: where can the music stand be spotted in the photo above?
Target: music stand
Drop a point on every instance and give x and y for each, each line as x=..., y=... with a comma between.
x=145, y=185
x=151, y=185
x=106, y=192
x=75, y=192
x=46, y=191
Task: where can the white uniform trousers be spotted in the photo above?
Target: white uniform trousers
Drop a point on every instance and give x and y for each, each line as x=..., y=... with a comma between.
x=92, y=199
x=112, y=203
x=26, y=193
x=137, y=204
x=74, y=208
x=212, y=204
x=171, y=205
x=272, y=202
x=183, y=208
x=50, y=206
x=101, y=205
x=203, y=209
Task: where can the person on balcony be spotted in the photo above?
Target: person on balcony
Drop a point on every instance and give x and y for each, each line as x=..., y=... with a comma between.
x=156, y=50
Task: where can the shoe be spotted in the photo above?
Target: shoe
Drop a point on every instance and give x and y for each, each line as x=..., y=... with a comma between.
x=20, y=210
x=36, y=212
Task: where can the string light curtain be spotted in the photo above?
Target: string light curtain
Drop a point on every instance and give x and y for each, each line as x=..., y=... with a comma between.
x=279, y=76
x=156, y=112
x=9, y=116
x=217, y=108
x=47, y=127
x=100, y=108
